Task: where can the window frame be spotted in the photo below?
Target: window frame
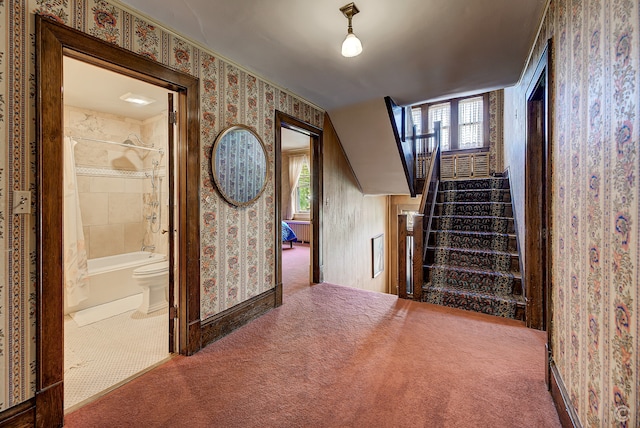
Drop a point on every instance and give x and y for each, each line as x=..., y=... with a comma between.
x=454, y=128
x=297, y=211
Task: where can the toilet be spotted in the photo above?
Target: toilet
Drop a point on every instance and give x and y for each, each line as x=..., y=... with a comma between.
x=153, y=279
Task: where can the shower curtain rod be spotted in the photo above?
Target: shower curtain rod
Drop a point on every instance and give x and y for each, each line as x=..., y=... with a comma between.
x=151, y=149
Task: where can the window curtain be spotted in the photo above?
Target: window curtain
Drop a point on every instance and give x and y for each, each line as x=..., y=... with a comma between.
x=76, y=274
x=295, y=168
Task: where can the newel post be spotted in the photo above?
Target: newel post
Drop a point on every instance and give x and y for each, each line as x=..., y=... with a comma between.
x=401, y=280
x=418, y=237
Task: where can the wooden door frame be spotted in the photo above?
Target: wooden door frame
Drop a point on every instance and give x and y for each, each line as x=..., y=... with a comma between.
x=538, y=175
x=53, y=42
x=284, y=120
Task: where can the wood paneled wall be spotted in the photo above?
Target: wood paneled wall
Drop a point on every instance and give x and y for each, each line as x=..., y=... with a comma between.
x=350, y=221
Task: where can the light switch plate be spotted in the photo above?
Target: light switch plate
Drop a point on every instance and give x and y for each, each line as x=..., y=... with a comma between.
x=22, y=202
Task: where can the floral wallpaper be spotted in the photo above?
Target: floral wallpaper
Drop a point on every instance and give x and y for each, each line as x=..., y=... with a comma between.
x=237, y=244
x=496, y=141
x=595, y=209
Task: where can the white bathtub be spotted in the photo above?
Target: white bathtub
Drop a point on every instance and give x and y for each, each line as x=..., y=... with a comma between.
x=110, y=278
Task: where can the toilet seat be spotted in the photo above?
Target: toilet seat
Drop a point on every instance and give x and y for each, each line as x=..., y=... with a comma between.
x=153, y=268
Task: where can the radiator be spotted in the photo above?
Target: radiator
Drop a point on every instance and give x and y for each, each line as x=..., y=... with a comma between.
x=302, y=229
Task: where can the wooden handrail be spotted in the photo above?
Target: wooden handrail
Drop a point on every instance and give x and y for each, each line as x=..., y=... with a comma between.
x=403, y=134
x=427, y=206
x=432, y=176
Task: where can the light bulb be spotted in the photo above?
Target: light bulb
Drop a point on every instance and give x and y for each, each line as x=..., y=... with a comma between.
x=351, y=46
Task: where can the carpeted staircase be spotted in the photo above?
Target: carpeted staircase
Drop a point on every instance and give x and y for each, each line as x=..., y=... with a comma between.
x=472, y=257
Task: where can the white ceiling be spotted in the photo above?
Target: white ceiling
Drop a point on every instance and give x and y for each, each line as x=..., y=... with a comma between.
x=413, y=50
x=94, y=88
x=293, y=140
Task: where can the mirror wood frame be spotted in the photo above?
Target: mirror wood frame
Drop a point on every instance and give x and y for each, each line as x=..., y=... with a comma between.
x=215, y=154
x=53, y=42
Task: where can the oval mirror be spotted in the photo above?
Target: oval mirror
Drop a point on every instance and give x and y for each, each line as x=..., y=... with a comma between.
x=239, y=165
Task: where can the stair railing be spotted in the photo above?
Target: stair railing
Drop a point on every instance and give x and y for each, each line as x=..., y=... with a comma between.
x=419, y=236
x=405, y=249
x=422, y=222
x=424, y=148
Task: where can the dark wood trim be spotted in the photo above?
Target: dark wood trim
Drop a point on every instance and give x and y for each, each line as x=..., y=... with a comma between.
x=561, y=398
x=548, y=301
x=53, y=41
x=486, y=119
x=171, y=226
x=418, y=249
x=21, y=416
x=537, y=264
x=401, y=281
x=405, y=146
x=49, y=406
x=454, y=122
x=284, y=120
x=225, y=322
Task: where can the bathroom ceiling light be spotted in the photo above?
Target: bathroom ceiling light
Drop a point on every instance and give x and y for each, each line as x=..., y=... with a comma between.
x=137, y=99
x=351, y=46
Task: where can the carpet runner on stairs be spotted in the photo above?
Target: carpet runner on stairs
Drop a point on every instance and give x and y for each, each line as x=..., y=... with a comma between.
x=472, y=257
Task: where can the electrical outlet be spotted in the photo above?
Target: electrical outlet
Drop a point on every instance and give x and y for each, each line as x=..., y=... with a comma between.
x=22, y=202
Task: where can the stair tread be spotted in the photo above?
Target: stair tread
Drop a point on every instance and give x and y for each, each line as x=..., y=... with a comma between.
x=472, y=232
x=473, y=216
x=488, y=189
x=514, y=274
x=473, y=202
x=519, y=299
x=475, y=250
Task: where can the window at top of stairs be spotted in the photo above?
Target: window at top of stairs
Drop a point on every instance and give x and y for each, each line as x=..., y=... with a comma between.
x=464, y=121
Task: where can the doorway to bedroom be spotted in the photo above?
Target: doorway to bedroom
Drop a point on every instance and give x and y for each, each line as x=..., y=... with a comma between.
x=298, y=172
x=296, y=206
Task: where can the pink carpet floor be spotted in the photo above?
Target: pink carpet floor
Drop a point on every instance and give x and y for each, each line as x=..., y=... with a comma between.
x=334, y=356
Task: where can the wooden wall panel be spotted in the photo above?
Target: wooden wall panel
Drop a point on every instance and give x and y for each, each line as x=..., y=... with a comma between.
x=350, y=221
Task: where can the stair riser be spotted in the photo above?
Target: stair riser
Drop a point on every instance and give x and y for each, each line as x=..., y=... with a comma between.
x=475, y=303
x=485, y=183
x=493, y=195
x=499, y=209
x=471, y=260
x=486, y=283
x=451, y=239
x=497, y=225
x=484, y=261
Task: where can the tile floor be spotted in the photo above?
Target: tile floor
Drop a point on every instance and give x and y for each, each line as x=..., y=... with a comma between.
x=100, y=355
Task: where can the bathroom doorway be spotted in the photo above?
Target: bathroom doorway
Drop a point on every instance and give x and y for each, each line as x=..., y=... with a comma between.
x=55, y=42
x=118, y=138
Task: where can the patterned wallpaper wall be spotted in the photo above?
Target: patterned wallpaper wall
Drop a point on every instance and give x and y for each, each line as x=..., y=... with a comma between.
x=595, y=244
x=496, y=137
x=238, y=246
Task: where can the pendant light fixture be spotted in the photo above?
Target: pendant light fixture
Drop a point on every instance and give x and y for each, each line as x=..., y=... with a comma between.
x=351, y=45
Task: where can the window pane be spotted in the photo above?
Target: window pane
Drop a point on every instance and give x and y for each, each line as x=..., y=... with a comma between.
x=470, y=127
x=303, y=190
x=441, y=113
x=416, y=113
